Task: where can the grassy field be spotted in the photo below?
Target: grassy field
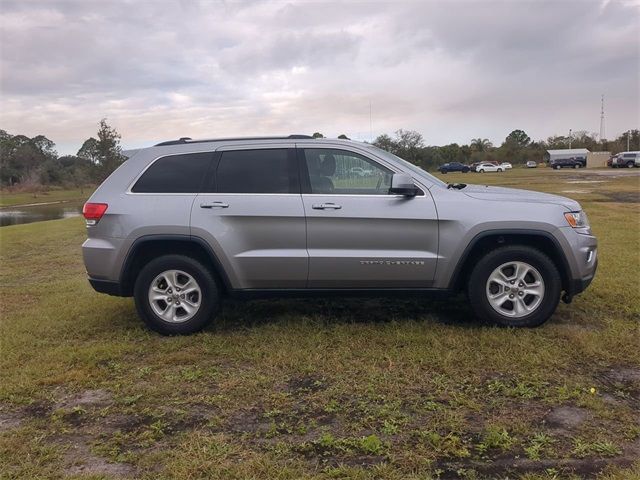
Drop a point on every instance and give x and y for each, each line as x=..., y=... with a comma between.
x=54, y=195
x=345, y=388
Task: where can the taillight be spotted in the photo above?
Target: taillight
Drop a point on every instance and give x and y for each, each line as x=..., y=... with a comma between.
x=93, y=212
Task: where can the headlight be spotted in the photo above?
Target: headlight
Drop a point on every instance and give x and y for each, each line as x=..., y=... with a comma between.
x=578, y=220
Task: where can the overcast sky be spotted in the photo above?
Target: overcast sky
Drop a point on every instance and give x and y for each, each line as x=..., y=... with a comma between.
x=453, y=71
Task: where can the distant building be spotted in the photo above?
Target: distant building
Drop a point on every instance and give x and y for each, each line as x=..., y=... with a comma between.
x=597, y=159
x=565, y=153
x=590, y=159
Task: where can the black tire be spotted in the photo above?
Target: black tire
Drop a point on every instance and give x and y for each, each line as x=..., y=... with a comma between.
x=209, y=300
x=477, y=286
x=499, y=170
x=481, y=170
x=631, y=164
x=576, y=166
x=557, y=167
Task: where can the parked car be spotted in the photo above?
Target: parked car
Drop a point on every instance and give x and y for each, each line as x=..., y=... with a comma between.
x=453, y=167
x=361, y=172
x=559, y=163
x=489, y=167
x=626, y=160
x=532, y=164
x=506, y=165
x=186, y=223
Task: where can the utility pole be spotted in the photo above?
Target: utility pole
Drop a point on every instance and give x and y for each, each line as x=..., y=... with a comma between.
x=628, y=139
x=602, y=134
x=370, y=124
x=569, y=139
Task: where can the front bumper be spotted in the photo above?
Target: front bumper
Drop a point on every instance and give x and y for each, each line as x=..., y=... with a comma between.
x=579, y=285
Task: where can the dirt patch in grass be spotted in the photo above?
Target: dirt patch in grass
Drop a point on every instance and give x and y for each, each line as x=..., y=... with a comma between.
x=305, y=384
x=567, y=418
x=503, y=468
x=620, y=197
x=86, y=398
x=80, y=461
x=250, y=421
x=10, y=420
x=38, y=409
x=622, y=381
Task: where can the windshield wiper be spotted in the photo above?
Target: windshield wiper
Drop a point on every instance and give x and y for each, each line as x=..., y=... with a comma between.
x=457, y=186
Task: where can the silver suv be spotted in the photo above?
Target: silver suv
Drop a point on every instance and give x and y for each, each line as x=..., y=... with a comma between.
x=184, y=223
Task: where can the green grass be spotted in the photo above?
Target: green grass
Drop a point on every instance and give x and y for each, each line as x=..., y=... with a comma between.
x=345, y=388
x=53, y=195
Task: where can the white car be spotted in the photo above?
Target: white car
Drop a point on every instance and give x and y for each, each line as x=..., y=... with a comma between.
x=532, y=164
x=506, y=165
x=489, y=167
x=361, y=172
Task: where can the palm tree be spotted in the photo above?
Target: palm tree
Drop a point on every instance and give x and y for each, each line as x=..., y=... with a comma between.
x=481, y=144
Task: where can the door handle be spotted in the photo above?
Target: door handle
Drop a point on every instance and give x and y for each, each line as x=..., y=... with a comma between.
x=326, y=206
x=214, y=205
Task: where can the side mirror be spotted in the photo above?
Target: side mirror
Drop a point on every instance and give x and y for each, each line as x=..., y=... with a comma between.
x=402, y=184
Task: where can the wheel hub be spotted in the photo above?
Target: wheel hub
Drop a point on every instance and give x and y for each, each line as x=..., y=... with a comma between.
x=515, y=289
x=175, y=296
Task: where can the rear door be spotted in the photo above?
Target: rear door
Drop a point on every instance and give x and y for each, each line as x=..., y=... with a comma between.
x=251, y=215
x=359, y=236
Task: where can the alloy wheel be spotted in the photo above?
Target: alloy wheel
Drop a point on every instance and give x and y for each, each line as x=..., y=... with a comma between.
x=175, y=296
x=515, y=289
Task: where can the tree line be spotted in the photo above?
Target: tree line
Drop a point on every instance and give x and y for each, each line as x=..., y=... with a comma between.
x=34, y=162
x=517, y=147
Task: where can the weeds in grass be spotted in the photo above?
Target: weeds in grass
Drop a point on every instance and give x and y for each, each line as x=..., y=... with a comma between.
x=603, y=448
x=494, y=437
x=539, y=445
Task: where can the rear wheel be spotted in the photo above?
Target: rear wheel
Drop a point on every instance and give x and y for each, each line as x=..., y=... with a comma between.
x=499, y=170
x=481, y=170
x=576, y=166
x=176, y=295
x=514, y=286
x=630, y=164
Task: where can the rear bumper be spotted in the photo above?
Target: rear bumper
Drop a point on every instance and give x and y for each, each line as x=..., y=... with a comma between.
x=106, y=286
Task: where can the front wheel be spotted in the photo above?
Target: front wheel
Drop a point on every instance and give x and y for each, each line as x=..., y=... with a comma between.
x=514, y=286
x=481, y=170
x=630, y=164
x=176, y=295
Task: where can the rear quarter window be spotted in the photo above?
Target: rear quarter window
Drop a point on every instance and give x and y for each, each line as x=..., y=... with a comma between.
x=183, y=173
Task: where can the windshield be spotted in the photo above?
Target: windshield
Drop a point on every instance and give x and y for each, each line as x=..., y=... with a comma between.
x=410, y=166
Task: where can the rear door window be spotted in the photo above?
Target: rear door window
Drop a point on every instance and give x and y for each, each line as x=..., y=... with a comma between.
x=183, y=173
x=258, y=171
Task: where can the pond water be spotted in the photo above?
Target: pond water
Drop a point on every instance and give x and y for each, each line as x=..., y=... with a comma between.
x=39, y=212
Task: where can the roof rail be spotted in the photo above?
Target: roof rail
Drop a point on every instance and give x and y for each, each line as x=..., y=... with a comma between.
x=184, y=140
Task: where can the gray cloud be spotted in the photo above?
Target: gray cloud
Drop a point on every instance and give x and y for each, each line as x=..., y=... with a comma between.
x=453, y=70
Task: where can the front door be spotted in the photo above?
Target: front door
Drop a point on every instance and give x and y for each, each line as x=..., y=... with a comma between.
x=252, y=217
x=358, y=235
